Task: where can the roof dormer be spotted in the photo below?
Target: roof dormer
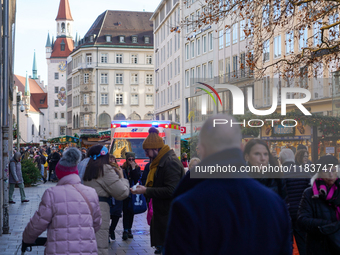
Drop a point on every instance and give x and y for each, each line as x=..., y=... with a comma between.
x=121, y=39
x=134, y=39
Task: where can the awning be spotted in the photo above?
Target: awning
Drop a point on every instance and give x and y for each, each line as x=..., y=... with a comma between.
x=101, y=142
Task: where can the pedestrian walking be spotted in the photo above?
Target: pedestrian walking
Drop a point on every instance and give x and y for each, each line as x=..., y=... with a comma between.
x=320, y=209
x=116, y=206
x=133, y=173
x=185, y=161
x=257, y=154
x=69, y=211
x=15, y=177
x=166, y=170
x=229, y=215
x=53, y=160
x=296, y=183
x=101, y=176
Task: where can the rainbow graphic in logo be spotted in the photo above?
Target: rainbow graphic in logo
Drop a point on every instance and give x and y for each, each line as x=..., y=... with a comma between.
x=209, y=93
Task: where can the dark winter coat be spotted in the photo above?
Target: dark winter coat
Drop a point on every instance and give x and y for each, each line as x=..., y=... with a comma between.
x=53, y=160
x=295, y=188
x=15, y=174
x=132, y=175
x=167, y=176
x=315, y=212
x=227, y=216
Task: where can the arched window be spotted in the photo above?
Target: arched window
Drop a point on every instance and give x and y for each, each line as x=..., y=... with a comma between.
x=63, y=27
x=32, y=129
x=74, y=121
x=104, y=120
x=39, y=129
x=134, y=116
x=77, y=121
x=58, y=28
x=68, y=28
x=148, y=116
x=119, y=116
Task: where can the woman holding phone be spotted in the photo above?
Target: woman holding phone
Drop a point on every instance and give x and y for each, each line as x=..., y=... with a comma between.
x=132, y=172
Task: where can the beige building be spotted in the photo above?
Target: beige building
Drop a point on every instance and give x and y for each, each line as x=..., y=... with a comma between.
x=110, y=73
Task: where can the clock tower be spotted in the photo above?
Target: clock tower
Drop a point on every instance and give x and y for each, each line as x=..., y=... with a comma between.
x=56, y=54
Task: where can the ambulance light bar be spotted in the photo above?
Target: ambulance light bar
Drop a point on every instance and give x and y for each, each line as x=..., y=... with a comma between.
x=155, y=124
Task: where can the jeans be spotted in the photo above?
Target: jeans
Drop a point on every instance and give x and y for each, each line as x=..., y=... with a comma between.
x=22, y=191
x=42, y=171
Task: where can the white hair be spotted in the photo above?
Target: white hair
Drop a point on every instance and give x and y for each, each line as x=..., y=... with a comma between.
x=220, y=137
x=287, y=155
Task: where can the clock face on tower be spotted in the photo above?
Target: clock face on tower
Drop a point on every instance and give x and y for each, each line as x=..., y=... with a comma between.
x=62, y=66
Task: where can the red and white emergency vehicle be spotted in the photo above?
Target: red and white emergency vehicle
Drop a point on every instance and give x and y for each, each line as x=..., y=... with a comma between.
x=128, y=136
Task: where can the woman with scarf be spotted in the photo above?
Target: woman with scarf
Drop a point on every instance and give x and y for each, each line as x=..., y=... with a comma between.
x=108, y=182
x=320, y=207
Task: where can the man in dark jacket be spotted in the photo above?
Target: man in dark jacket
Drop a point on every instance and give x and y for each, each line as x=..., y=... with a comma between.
x=166, y=170
x=296, y=183
x=52, y=160
x=227, y=215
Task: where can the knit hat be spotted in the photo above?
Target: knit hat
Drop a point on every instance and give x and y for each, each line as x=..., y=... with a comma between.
x=327, y=161
x=153, y=141
x=130, y=155
x=68, y=163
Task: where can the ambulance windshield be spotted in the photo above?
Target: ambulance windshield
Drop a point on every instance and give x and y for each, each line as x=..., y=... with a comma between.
x=121, y=146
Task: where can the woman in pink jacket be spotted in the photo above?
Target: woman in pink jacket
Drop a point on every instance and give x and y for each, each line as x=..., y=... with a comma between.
x=69, y=211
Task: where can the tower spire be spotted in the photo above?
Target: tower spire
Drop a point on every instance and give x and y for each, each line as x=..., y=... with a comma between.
x=64, y=12
x=48, y=42
x=27, y=86
x=34, y=69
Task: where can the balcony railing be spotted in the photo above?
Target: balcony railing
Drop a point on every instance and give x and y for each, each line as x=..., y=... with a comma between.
x=240, y=75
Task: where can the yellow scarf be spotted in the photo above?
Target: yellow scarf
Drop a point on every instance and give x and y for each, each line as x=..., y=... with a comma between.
x=154, y=165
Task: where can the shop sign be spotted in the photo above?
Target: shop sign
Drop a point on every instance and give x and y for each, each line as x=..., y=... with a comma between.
x=281, y=130
x=300, y=137
x=183, y=130
x=88, y=131
x=330, y=150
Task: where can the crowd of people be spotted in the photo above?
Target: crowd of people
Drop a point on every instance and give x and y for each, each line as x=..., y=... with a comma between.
x=254, y=213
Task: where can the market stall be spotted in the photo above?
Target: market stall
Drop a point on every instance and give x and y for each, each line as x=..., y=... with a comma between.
x=64, y=141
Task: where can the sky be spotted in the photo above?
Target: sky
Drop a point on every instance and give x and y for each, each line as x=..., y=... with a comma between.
x=35, y=18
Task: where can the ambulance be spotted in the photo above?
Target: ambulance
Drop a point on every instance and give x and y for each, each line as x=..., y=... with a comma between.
x=128, y=136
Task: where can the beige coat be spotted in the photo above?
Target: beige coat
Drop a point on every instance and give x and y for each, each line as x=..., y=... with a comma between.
x=108, y=185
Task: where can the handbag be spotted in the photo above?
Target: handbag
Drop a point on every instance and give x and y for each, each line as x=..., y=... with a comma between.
x=332, y=232
x=150, y=212
x=137, y=203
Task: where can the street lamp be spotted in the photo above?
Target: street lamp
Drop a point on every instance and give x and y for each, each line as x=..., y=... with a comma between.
x=20, y=107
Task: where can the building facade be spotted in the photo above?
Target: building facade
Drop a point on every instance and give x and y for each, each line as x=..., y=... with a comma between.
x=168, y=60
x=111, y=72
x=33, y=122
x=56, y=54
x=213, y=54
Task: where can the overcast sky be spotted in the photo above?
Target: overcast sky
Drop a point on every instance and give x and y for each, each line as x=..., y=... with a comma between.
x=35, y=18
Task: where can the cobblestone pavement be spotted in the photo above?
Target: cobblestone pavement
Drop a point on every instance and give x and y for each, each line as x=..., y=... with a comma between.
x=20, y=215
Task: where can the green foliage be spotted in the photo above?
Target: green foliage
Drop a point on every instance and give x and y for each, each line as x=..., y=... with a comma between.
x=189, y=147
x=30, y=173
